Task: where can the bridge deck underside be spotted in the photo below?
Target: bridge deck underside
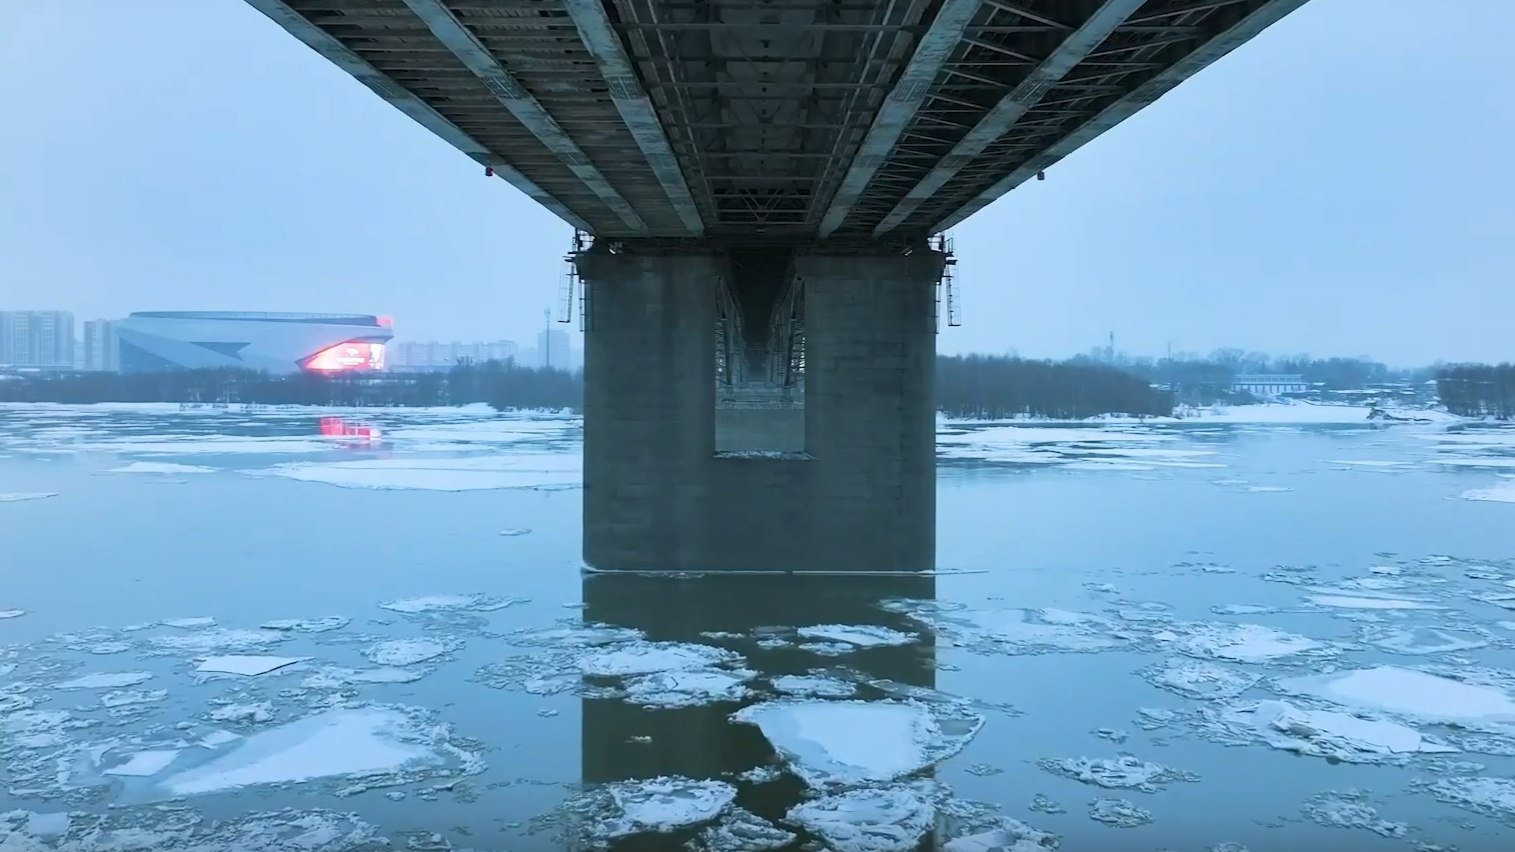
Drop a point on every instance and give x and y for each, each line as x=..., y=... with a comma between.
x=784, y=120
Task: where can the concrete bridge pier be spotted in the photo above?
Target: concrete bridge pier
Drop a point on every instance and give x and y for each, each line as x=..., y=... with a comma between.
x=857, y=494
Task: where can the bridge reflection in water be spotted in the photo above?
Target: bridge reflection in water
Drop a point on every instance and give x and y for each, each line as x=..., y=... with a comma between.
x=701, y=742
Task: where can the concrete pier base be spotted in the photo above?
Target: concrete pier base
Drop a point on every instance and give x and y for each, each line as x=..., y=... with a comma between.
x=658, y=496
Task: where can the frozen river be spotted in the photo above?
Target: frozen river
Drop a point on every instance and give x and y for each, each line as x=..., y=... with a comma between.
x=289, y=630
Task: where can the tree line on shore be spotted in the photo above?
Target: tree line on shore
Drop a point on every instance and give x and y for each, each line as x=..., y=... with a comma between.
x=1478, y=390
x=502, y=385
x=975, y=386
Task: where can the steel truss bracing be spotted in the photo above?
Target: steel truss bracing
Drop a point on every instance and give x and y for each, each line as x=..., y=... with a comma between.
x=783, y=121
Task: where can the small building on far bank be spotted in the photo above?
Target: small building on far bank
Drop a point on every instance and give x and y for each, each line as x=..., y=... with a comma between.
x=1269, y=384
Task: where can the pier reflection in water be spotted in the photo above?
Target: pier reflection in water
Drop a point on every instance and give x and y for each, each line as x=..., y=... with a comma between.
x=759, y=617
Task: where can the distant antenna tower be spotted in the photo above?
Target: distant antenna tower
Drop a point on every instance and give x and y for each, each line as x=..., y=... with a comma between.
x=1110, y=351
x=547, y=337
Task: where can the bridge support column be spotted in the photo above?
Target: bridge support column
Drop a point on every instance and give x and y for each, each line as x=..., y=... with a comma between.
x=657, y=494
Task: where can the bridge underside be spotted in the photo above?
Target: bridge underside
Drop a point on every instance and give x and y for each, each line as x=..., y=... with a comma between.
x=761, y=178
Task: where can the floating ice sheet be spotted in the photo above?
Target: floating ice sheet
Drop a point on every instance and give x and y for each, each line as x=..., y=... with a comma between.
x=1118, y=813
x=1014, y=631
x=740, y=830
x=11, y=613
x=1493, y=797
x=449, y=603
x=161, y=467
x=1504, y=492
x=333, y=677
x=34, y=495
x=814, y=686
x=1323, y=733
x=878, y=819
x=405, y=652
x=861, y=635
x=1201, y=680
x=1244, y=643
x=475, y=473
x=852, y=742
x=216, y=639
x=688, y=688
x=1409, y=693
x=1351, y=810
x=647, y=657
x=1362, y=602
x=1421, y=640
x=137, y=830
x=1009, y=835
x=106, y=680
x=329, y=744
x=144, y=763
x=249, y=666
x=653, y=805
x=324, y=624
x=1125, y=771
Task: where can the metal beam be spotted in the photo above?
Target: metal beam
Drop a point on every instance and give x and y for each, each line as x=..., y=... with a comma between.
x=527, y=110
x=636, y=109
x=998, y=121
x=1158, y=85
x=407, y=102
x=935, y=48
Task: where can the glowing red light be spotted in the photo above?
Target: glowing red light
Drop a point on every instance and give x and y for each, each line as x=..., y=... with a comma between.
x=387, y=322
x=336, y=427
x=354, y=355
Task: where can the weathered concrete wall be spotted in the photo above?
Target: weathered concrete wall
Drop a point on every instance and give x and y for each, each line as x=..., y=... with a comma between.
x=657, y=497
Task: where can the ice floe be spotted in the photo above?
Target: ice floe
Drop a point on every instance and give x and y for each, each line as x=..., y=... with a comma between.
x=11, y=613
x=647, y=657
x=1244, y=643
x=161, y=467
x=853, y=742
x=1363, y=602
x=106, y=680
x=1420, y=640
x=334, y=677
x=132, y=697
x=216, y=639
x=1118, y=813
x=652, y=805
x=1351, y=810
x=246, y=665
x=449, y=603
x=138, y=830
x=1008, y=836
x=740, y=830
x=1321, y=733
x=342, y=742
x=1493, y=797
x=187, y=623
x=1409, y=693
x=860, y=635
x=1012, y=631
x=324, y=624
x=406, y=652
x=244, y=714
x=1200, y=680
x=34, y=495
x=474, y=473
x=1504, y=492
x=813, y=686
x=688, y=688
x=144, y=763
x=1123, y=772
x=876, y=819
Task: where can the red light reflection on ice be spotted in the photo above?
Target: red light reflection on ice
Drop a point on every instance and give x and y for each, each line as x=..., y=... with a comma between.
x=337, y=427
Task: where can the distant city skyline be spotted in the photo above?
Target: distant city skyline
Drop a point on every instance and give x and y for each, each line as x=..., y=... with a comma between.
x=1304, y=194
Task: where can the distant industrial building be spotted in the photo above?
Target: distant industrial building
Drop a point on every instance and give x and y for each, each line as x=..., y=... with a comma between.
x=153, y=341
x=413, y=356
x=1269, y=384
x=102, y=352
x=37, y=339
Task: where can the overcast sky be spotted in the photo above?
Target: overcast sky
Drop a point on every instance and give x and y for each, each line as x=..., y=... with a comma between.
x=1341, y=185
